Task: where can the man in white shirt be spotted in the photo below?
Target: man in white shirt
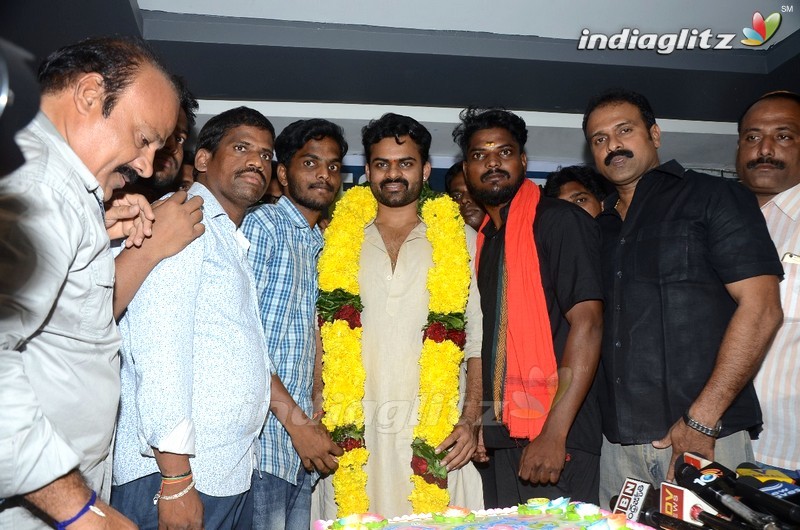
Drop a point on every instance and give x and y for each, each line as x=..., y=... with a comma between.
x=768, y=162
x=195, y=386
x=107, y=105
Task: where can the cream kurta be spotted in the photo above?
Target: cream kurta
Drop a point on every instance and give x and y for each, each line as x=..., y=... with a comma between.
x=395, y=311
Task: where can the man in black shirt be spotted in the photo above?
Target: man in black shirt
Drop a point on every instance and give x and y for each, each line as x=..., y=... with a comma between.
x=691, y=287
x=538, y=274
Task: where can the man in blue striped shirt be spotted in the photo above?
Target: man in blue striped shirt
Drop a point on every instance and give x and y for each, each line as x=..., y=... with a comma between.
x=285, y=245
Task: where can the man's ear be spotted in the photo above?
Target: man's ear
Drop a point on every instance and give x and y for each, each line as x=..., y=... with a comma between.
x=282, y=178
x=89, y=93
x=426, y=171
x=524, y=158
x=201, y=160
x=366, y=171
x=655, y=134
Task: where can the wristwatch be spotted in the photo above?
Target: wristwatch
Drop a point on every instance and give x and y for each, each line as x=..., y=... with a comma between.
x=699, y=427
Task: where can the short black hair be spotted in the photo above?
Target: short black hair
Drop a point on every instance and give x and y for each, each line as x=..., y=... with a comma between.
x=585, y=175
x=116, y=59
x=474, y=119
x=777, y=94
x=295, y=135
x=621, y=95
x=454, y=170
x=392, y=125
x=216, y=128
x=189, y=104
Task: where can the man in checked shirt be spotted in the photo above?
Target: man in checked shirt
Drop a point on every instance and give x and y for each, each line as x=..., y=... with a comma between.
x=285, y=245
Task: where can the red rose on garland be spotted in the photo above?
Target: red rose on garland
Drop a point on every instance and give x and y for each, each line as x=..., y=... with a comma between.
x=437, y=332
x=350, y=314
x=438, y=481
x=419, y=465
x=457, y=336
x=348, y=444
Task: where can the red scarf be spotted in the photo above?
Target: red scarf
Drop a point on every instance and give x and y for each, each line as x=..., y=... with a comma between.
x=531, y=377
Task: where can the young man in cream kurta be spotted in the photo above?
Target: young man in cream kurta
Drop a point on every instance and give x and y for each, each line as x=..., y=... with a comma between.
x=395, y=258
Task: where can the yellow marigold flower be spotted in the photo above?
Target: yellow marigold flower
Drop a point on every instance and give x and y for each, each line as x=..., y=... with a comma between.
x=350, y=483
x=438, y=409
x=343, y=375
x=427, y=498
x=343, y=371
x=338, y=263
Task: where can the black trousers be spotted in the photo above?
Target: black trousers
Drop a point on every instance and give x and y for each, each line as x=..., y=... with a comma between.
x=502, y=486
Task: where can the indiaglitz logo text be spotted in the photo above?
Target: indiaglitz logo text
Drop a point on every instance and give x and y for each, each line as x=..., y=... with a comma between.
x=684, y=39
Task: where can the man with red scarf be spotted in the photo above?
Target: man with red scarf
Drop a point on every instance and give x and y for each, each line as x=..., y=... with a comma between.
x=541, y=294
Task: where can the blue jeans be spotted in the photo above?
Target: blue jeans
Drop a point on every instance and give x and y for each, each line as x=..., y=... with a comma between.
x=135, y=501
x=279, y=505
x=646, y=463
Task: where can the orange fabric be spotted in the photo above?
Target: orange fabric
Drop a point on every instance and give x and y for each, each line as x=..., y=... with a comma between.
x=531, y=377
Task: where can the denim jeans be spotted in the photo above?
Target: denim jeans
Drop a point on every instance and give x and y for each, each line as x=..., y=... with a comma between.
x=135, y=501
x=279, y=505
x=648, y=464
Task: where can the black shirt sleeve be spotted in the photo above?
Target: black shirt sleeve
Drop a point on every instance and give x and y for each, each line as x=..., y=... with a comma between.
x=568, y=243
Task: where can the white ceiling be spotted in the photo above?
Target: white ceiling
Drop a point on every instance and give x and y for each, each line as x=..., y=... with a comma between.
x=543, y=18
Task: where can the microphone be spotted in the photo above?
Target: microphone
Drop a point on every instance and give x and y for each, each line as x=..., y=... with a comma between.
x=679, y=502
x=708, y=484
x=748, y=469
x=782, y=508
x=714, y=522
x=776, y=488
x=633, y=498
x=656, y=519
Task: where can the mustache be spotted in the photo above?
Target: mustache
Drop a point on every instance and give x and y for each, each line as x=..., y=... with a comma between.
x=774, y=162
x=619, y=152
x=493, y=172
x=240, y=172
x=321, y=184
x=397, y=180
x=128, y=172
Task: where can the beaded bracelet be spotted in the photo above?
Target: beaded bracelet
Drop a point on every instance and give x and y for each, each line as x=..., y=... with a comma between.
x=159, y=497
x=88, y=506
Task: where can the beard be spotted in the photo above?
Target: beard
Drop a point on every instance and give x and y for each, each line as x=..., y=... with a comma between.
x=297, y=193
x=162, y=180
x=495, y=195
x=396, y=200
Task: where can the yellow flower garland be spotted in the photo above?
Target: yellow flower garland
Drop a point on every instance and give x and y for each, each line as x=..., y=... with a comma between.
x=343, y=371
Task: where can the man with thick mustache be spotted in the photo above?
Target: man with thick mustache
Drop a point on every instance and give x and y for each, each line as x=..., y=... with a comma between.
x=768, y=162
x=539, y=278
x=169, y=159
x=285, y=244
x=107, y=104
x=177, y=220
x=195, y=388
x=691, y=288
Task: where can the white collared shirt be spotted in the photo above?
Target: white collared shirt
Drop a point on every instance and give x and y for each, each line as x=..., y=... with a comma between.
x=776, y=382
x=195, y=369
